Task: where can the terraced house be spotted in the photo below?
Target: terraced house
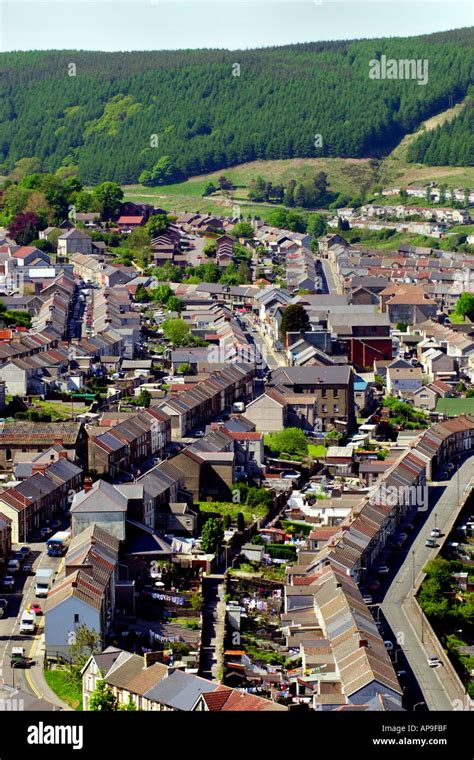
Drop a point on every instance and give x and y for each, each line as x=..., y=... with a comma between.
x=192, y=408
x=46, y=494
x=118, y=448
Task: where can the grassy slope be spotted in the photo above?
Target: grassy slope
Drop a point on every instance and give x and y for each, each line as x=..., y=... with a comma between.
x=346, y=175
x=63, y=688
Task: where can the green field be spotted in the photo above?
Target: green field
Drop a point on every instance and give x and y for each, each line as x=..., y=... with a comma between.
x=61, y=410
x=229, y=508
x=316, y=450
x=69, y=693
x=455, y=406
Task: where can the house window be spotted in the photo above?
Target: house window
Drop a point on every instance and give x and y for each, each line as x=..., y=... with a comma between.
x=9, y=455
x=336, y=409
x=335, y=393
x=324, y=408
x=324, y=392
x=76, y=617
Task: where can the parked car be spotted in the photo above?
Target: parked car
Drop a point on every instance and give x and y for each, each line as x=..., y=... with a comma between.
x=35, y=607
x=435, y=533
x=13, y=566
x=27, y=568
x=8, y=582
x=402, y=675
x=290, y=474
x=25, y=550
x=383, y=570
x=3, y=607
x=374, y=586
x=388, y=645
x=431, y=543
x=433, y=661
x=368, y=599
x=45, y=531
x=199, y=434
x=403, y=537
x=56, y=524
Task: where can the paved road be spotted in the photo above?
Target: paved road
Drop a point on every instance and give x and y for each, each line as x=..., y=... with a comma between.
x=439, y=688
x=28, y=680
x=271, y=358
x=213, y=623
x=331, y=278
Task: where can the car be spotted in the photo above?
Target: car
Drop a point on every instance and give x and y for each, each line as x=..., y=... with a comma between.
x=431, y=543
x=35, y=607
x=3, y=607
x=402, y=675
x=290, y=474
x=56, y=524
x=435, y=533
x=410, y=526
x=8, y=582
x=25, y=550
x=374, y=586
x=367, y=599
x=383, y=570
x=27, y=568
x=388, y=645
x=45, y=531
x=433, y=661
x=403, y=537
x=199, y=434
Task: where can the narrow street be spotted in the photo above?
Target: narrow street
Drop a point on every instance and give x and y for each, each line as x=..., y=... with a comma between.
x=213, y=621
x=439, y=688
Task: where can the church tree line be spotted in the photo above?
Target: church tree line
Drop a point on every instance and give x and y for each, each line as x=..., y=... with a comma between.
x=164, y=116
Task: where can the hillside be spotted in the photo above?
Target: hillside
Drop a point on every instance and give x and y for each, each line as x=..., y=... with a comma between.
x=451, y=143
x=188, y=104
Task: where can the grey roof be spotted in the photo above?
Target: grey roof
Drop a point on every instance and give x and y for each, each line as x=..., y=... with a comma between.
x=102, y=497
x=180, y=690
x=311, y=375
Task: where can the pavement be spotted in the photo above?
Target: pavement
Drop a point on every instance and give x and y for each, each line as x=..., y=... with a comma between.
x=272, y=359
x=440, y=687
x=30, y=680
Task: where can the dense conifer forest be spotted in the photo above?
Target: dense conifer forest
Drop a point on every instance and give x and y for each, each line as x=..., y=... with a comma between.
x=115, y=115
x=450, y=144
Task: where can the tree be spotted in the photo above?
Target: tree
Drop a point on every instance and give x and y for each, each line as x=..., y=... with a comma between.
x=144, y=398
x=227, y=521
x=103, y=699
x=197, y=601
x=157, y=224
x=141, y=295
x=161, y=293
x=316, y=225
x=465, y=305
x=177, y=331
x=224, y=183
x=163, y=172
x=109, y=195
x=240, y=522
x=185, y=369
x=25, y=227
x=212, y=535
x=174, y=303
x=243, y=230
x=295, y=319
x=128, y=706
x=291, y=441
x=209, y=188
x=26, y=166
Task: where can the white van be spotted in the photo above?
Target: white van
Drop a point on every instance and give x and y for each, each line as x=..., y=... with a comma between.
x=238, y=406
x=28, y=622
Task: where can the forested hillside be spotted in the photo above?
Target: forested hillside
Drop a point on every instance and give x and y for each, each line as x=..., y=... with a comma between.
x=121, y=112
x=450, y=144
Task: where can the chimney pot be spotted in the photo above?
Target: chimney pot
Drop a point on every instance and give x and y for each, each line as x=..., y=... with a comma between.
x=87, y=484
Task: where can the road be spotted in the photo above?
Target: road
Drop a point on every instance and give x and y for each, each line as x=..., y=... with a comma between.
x=10, y=636
x=438, y=686
x=332, y=279
x=270, y=357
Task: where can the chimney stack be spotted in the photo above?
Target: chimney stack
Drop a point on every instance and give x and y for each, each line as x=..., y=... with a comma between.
x=62, y=454
x=87, y=484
